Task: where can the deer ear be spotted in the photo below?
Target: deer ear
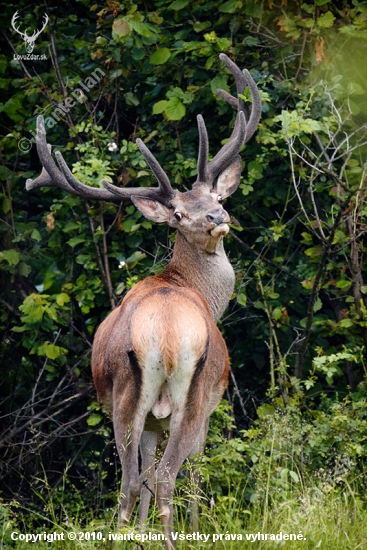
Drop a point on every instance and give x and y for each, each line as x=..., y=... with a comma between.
x=153, y=210
x=229, y=179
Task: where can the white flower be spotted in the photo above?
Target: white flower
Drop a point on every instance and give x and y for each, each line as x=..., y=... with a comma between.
x=121, y=264
x=112, y=146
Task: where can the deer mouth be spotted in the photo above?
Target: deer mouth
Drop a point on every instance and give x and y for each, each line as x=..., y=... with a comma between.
x=219, y=230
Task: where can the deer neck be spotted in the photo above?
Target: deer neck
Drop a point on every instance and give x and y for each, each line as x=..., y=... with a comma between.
x=209, y=273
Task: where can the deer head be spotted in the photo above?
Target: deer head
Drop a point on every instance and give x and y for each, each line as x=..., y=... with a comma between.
x=197, y=214
x=29, y=40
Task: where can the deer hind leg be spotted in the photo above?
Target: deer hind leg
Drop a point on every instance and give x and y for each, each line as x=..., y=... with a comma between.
x=148, y=445
x=132, y=400
x=128, y=429
x=183, y=432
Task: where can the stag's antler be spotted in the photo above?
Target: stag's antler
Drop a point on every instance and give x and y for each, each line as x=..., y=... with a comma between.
x=242, y=130
x=164, y=193
x=63, y=178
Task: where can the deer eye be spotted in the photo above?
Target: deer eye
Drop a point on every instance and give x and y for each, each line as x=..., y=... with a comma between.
x=220, y=199
x=178, y=216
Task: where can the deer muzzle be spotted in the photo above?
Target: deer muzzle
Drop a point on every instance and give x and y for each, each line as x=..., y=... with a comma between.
x=217, y=222
x=217, y=216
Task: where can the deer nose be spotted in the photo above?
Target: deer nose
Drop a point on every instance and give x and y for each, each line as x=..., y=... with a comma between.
x=216, y=216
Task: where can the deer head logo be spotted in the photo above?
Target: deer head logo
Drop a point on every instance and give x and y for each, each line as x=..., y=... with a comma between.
x=28, y=40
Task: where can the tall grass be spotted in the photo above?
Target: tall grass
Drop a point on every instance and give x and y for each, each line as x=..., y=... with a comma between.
x=265, y=482
x=328, y=520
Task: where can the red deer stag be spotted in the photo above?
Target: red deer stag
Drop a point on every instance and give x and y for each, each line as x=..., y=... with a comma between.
x=159, y=361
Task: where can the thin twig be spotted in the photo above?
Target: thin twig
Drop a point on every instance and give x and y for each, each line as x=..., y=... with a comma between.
x=237, y=392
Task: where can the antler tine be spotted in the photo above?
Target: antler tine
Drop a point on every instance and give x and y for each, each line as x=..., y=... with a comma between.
x=202, y=164
x=230, y=150
x=50, y=175
x=241, y=132
x=80, y=189
x=44, y=179
x=164, y=185
x=255, y=107
x=239, y=78
x=242, y=80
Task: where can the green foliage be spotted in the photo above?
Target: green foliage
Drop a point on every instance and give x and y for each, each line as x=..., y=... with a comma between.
x=289, y=446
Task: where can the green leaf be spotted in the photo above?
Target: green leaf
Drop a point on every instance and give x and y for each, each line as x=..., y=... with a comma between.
x=19, y=329
x=11, y=256
x=36, y=235
x=160, y=56
x=131, y=99
x=70, y=226
x=14, y=108
x=255, y=169
x=121, y=27
x=314, y=251
x=219, y=81
x=101, y=40
x=308, y=283
x=346, y=323
x=32, y=308
x=50, y=350
x=277, y=313
x=83, y=259
x=120, y=289
x=209, y=62
x=115, y=74
x=127, y=225
x=228, y=7
x=265, y=410
x=24, y=269
x=62, y=299
x=223, y=43
x=94, y=419
x=141, y=28
x=175, y=109
x=138, y=54
x=6, y=205
x=160, y=107
x=135, y=258
x=294, y=476
x=200, y=26
x=309, y=384
x=178, y=5
x=74, y=241
x=317, y=305
x=326, y=20
x=343, y=284
x=321, y=2
x=242, y=299
x=307, y=238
